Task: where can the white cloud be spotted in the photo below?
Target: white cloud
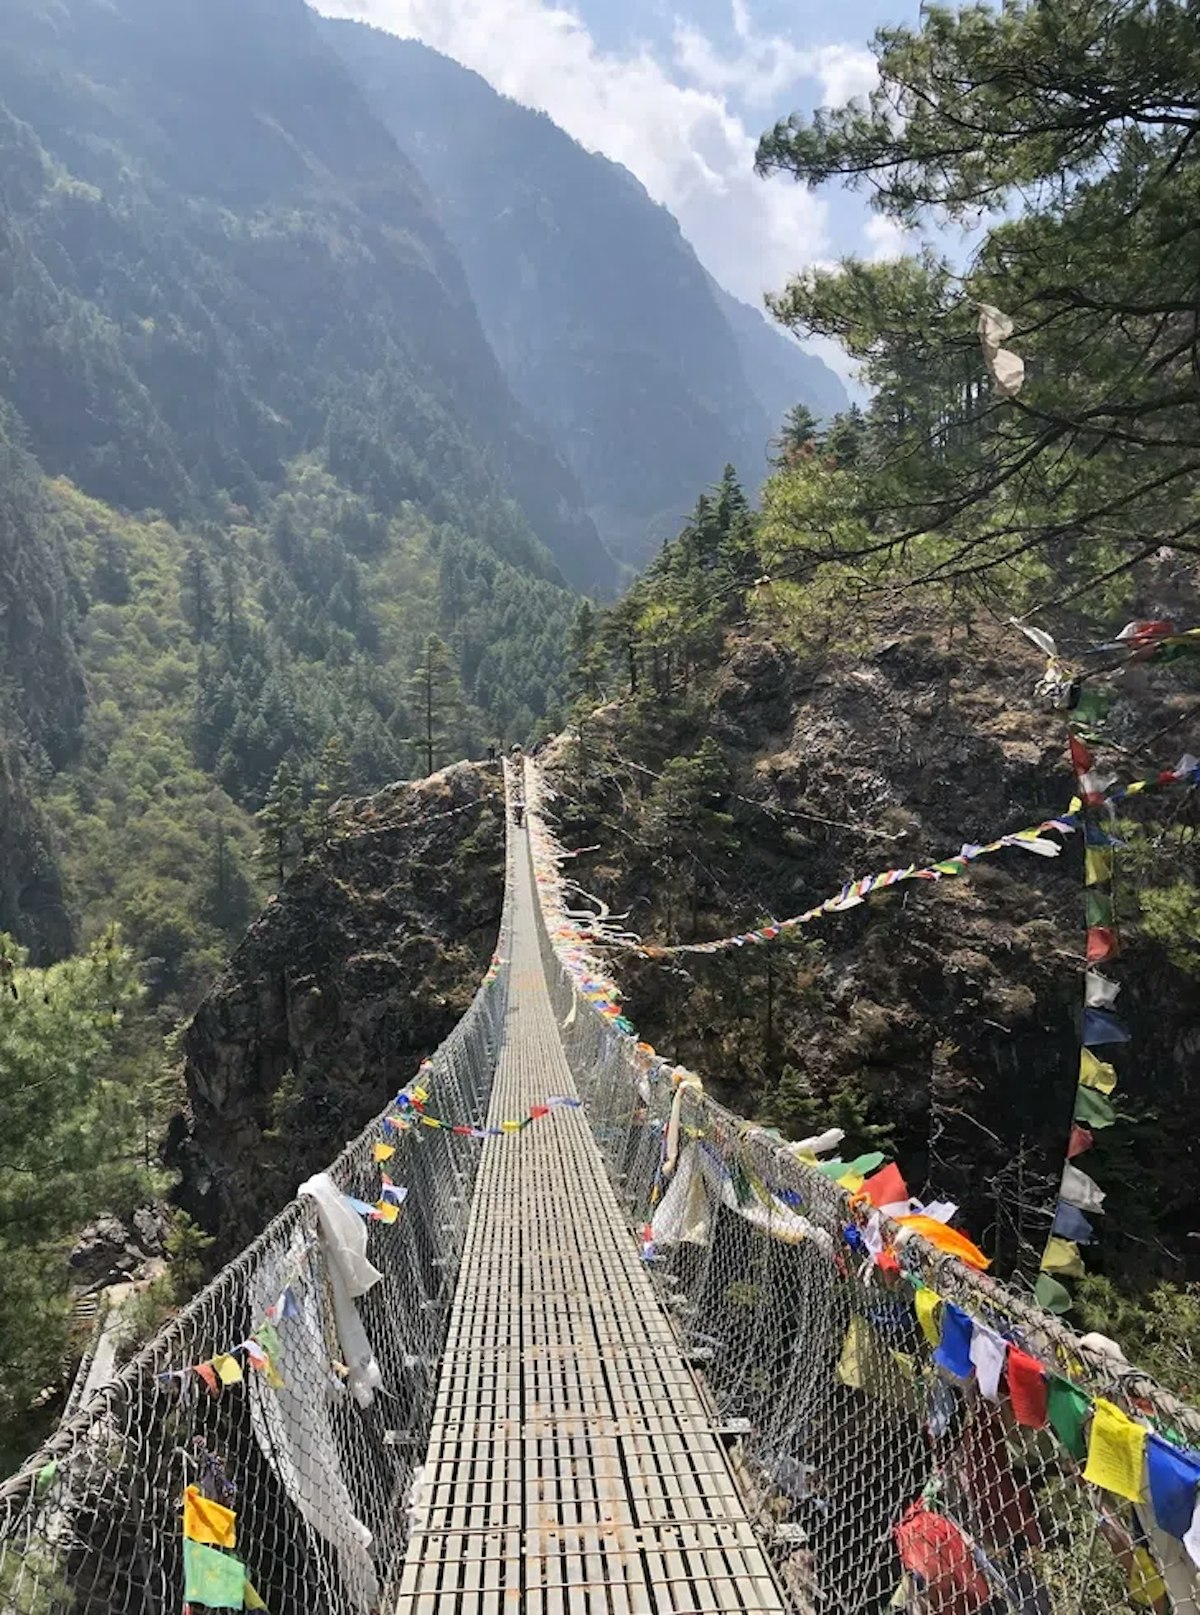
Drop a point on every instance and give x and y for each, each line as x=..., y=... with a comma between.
x=684, y=142
x=765, y=65
x=886, y=239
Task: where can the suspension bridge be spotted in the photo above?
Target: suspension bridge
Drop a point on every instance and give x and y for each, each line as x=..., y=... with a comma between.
x=558, y=1333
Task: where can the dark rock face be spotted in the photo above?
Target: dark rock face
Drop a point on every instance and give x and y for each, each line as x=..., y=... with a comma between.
x=354, y=973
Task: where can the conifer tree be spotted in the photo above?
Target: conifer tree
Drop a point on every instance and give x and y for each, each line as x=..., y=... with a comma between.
x=281, y=821
x=436, y=701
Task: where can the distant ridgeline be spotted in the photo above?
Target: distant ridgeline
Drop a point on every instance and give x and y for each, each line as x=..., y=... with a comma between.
x=645, y=374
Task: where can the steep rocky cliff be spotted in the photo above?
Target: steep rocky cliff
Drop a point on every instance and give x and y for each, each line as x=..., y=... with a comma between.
x=941, y=1021
x=357, y=969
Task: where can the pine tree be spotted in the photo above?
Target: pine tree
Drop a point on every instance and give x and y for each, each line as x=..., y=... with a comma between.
x=333, y=782
x=798, y=436
x=436, y=701
x=281, y=822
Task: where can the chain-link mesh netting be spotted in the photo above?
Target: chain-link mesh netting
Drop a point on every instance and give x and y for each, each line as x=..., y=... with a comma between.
x=880, y=1481
x=319, y=1485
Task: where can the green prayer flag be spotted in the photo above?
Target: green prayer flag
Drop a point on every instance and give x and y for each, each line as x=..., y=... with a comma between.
x=1069, y=1410
x=1092, y=1108
x=1092, y=706
x=212, y=1578
x=268, y=1338
x=1097, y=907
x=864, y=1165
x=1052, y=1295
x=45, y=1477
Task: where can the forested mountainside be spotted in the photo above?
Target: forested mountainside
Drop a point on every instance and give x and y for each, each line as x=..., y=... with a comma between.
x=646, y=374
x=217, y=259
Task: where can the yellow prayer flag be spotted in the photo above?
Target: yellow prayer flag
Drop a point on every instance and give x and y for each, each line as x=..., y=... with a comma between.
x=1137, y=787
x=927, y=1303
x=250, y=1598
x=1094, y=1073
x=386, y=1211
x=204, y=1521
x=384, y=1152
x=229, y=1370
x=853, y=1181
x=420, y=1095
x=510, y=1127
x=1098, y=866
x=1062, y=1256
x=1146, y=1586
x=430, y=1121
x=1116, y=1456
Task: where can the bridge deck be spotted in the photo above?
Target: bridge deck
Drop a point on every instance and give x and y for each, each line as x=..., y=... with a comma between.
x=573, y=1468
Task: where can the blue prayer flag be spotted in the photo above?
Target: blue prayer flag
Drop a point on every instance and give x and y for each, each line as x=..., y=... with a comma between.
x=1174, y=1477
x=1070, y=1223
x=954, y=1350
x=1101, y=1027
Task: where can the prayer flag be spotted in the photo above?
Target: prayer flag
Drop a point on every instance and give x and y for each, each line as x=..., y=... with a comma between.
x=1097, y=907
x=385, y=1211
x=268, y=1338
x=946, y=1239
x=1116, y=1452
x=1100, y=1026
x=886, y=1187
x=1099, y=992
x=253, y=1601
x=1174, y=1479
x=216, y=1580
x=536, y=1112
x=954, y=1349
x=207, y=1373
x=510, y=1127
x=1027, y=1389
x=384, y=1152
x=928, y=1303
x=1092, y=1107
x=228, y=1370
x=430, y=1121
x=1081, y=758
x=1079, y=1142
x=1098, y=865
x=1080, y=1191
x=1102, y=944
x=1146, y=1586
x=1071, y=1224
x=1062, y=1256
x=1069, y=1411
x=1096, y=1073
x=205, y=1521
x=988, y=1351
x=287, y=1305
x=1052, y=1295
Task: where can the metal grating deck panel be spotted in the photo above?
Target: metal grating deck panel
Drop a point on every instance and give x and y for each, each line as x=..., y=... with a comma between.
x=572, y=1467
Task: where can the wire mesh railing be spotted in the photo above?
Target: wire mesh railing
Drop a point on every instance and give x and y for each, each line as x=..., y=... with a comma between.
x=886, y=1466
x=266, y=1398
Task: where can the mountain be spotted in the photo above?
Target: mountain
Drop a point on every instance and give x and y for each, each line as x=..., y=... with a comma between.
x=216, y=259
x=647, y=375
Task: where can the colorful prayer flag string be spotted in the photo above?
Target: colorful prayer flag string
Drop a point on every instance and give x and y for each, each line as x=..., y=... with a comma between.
x=1094, y=790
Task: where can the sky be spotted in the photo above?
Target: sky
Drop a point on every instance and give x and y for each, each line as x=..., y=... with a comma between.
x=679, y=92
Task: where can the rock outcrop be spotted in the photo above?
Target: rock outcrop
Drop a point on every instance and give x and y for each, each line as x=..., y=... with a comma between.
x=356, y=971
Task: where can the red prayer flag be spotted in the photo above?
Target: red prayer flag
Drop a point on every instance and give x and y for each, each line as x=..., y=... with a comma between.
x=1081, y=757
x=462, y=1130
x=886, y=1187
x=1080, y=1141
x=1028, y=1389
x=208, y=1374
x=535, y=1111
x=1102, y=944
